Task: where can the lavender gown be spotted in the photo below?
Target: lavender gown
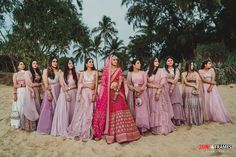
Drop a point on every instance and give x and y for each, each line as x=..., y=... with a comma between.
x=192, y=103
x=161, y=111
x=81, y=125
x=214, y=105
x=141, y=112
x=176, y=98
x=48, y=107
x=64, y=110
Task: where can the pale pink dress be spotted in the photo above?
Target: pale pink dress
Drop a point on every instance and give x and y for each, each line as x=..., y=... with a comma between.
x=81, y=125
x=64, y=109
x=141, y=111
x=176, y=98
x=214, y=106
x=161, y=111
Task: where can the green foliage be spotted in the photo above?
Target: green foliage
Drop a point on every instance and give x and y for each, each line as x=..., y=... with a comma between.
x=214, y=51
x=226, y=72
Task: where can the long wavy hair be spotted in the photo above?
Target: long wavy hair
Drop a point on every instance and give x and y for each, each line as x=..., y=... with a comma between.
x=67, y=70
x=166, y=66
x=51, y=73
x=86, y=61
x=33, y=72
x=188, y=67
x=152, y=70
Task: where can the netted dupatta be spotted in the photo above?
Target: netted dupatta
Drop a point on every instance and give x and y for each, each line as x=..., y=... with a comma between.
x=101, y=112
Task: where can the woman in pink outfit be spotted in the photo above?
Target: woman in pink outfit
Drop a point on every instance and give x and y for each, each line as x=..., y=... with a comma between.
x=112, y=116
x=214, y=105
x=51, y=77
x=137, y=96
x=173, y=75
x=66, y=101
x=192, y=95
x=81, y=125
x=161, y=111
x=18, y=96
x=31, y=109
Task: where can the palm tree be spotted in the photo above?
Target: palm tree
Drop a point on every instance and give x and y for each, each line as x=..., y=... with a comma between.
x=114, y=45
x=106, y=29
x=117, y=47
x=82, y=51
x=95, y=47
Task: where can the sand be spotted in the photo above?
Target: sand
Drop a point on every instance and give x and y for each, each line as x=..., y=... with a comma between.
x=181, y=143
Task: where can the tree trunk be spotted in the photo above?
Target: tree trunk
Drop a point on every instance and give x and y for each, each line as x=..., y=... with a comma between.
x=12, y=62
x=97, y=59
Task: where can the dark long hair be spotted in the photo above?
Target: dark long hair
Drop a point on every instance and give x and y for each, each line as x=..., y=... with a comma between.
x=131, y=68
x=67, y=70
x=51, y=73
x=151, y=70
x=86, y=61
x=188, y=67
x=166, y=66
x=204, y=63
x=33, y=72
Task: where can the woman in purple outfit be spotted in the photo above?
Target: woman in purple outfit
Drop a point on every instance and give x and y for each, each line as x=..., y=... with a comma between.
x=137, y=96
x=31, y=109
x=173, y=75
x=66, y=101
x=51, y=77
x=161, y=111
x=192, y=96
x=81, y=125
x=214, y=105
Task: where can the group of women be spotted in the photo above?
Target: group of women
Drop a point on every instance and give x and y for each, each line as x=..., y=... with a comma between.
x=74, y=107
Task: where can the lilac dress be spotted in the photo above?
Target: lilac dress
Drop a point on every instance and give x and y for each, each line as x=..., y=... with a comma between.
x=64, y=110
x=214, y=105
x=192, y=103
x=139, y=105
x=81, y=125
x=32, y=104
x=161, y=111
x=176, y=97
x=48, y=107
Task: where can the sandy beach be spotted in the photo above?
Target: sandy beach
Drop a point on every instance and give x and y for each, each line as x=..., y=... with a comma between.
x=182, y=143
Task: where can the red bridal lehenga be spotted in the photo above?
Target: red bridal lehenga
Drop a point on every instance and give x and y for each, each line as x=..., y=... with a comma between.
x=113, y=118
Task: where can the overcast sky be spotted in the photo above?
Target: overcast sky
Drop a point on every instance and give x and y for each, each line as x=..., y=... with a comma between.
x=93, y=11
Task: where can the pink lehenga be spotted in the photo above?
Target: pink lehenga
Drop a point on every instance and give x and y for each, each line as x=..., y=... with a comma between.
x=139, y=104
x=215, y=109
x=176, y=98
x=81, y=125
x=32, y=104
x=161, y=111
x=112, y=116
